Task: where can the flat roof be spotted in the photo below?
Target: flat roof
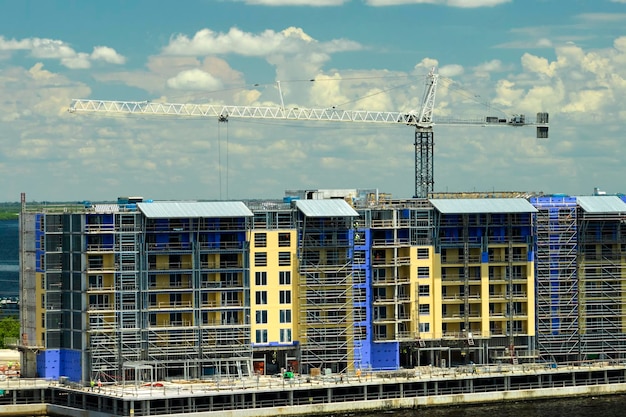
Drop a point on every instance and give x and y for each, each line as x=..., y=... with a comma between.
x=602, y=204
x=194, y=209
x=482, y=205
x=326, y=208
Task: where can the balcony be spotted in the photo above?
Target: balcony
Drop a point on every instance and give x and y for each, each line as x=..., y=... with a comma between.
x=461, y=297
x=505, y=258
x=390, y=280
x=221, y=265
x=221, y=304
x=171, y=305
x=457, y=260
x=170, y=266
x=99, y=228
x=169, y=246
x=390, y=243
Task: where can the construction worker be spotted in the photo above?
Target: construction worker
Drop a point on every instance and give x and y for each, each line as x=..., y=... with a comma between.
x=99, y=385
x=92, y=384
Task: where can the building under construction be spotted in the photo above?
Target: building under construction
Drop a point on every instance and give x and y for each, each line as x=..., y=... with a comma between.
x=324, y=280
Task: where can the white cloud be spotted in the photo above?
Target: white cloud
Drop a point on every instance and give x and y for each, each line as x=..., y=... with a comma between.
x=452, y=3
x=603, y=17
x=289, y=41
x=541, y=43
x=43, y=48
x=194, y=79
x=292, y=53
x=106, y=54
x=453, y=70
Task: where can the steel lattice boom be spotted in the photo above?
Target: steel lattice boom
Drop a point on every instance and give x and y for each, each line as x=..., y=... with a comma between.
x=422, y=121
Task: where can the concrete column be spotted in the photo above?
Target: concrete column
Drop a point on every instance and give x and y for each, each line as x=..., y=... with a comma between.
x=254, y=400
x=436, y=387
x=507, y=382
x=329, y=395
x=401, y=390
x=380, y=391
x=365, y=392
x=291, y=397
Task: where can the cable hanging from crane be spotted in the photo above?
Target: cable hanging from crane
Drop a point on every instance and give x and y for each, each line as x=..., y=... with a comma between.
x=421, y=120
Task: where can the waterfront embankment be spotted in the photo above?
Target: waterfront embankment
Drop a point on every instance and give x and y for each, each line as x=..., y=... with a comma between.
x=268, y=396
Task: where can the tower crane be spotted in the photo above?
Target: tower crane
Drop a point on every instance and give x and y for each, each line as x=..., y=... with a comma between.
x=422, y=120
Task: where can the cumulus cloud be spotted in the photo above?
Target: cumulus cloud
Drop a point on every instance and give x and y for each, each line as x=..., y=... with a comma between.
x=452, y=70
x=452, y=3
x=291, y=52
x=288, y=41
x=575, y=82
x=106, y=54
x=194, y=79
x=43, y=48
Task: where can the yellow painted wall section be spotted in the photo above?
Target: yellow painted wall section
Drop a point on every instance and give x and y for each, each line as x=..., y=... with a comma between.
x=484, y=308
x=530, y=323
x=40, y=309
x=434, y=317
x=281, y=262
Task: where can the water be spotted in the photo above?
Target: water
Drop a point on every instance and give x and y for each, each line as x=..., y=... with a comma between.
x=605, y=406
x=9, y=258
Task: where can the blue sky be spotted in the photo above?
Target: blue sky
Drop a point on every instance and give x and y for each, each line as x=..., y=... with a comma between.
x=501, y=57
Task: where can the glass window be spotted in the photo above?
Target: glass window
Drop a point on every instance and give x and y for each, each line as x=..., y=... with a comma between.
x=284, y=277
x=260, y=240
x=261, y=316
x=422, y=253
x=284, y=240
x=261, y=336
x=261, y=297
x=260, y=259
x=285, y=316
x=285, y=335
x=424, y=309
x=284, y=258
x=424, y=290
x=260, y=278
x=424, y=327
x=423, y=272
x=285, y=297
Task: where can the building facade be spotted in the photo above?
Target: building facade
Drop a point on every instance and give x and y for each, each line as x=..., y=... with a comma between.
x=336, y=280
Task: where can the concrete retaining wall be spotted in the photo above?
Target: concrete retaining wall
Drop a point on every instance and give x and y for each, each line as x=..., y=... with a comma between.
x=417, y=402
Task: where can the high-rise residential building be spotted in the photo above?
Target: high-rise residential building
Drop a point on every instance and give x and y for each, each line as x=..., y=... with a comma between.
x=335, y=280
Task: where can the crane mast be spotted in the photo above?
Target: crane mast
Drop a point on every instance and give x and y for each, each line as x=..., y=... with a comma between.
x=421, y=120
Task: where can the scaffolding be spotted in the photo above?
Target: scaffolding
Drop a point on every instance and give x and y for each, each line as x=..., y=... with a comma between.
x=326, y=293
x=482, y=250
x=602, y=280
x=391, y=276
x=557, y=283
